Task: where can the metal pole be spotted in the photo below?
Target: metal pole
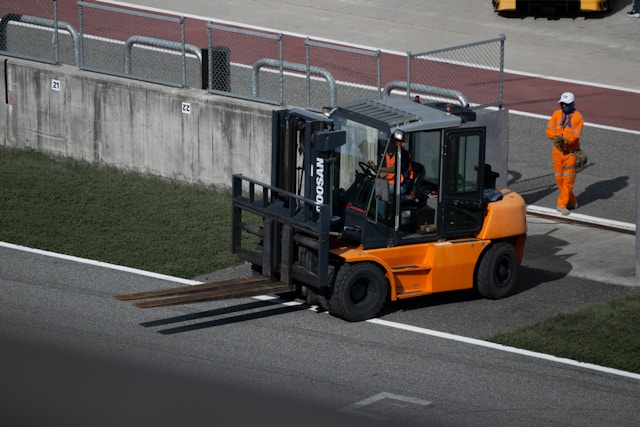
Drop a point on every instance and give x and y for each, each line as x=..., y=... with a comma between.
x=80, y=61
x=184, y=55
x=501, y=90
x=637, y=228
x=408, y=74
x=281, y=67
x=209, y=58
x=56, y=48
x=308, y=65
x=379, y=71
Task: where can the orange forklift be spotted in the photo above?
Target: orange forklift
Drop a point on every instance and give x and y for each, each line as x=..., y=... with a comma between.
x=333, y=229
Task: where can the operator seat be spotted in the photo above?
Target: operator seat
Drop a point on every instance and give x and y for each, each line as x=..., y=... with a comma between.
x=418, y=177
x=414, y=200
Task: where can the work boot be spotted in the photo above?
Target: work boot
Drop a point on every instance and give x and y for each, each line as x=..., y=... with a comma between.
x=562, y=210
x=572, y=206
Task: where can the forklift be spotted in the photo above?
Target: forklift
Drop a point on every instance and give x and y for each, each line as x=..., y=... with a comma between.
x=333, y=227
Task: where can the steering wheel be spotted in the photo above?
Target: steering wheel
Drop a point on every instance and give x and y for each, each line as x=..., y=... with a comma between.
x=367, y=169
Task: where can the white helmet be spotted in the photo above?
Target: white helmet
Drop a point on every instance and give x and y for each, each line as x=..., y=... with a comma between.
x=566, y=98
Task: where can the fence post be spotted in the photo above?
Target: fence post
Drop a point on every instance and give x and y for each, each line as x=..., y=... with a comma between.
x=379, y=71
x=56, y=55
x=308, y=65
x=184, y=54
x=408, y=74
x=501, y=78
x=281, y=67
x=80, y=61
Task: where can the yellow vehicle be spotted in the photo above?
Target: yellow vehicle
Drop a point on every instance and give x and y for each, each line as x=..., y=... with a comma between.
x=333, y=230
x=564, y=6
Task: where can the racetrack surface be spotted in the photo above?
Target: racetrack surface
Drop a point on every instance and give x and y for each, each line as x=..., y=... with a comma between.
x=77, y=356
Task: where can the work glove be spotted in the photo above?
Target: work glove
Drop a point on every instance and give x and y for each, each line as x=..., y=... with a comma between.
x=559, y=142
x=581, y=158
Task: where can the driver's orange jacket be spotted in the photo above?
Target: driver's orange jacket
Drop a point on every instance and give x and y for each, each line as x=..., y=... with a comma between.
x=407, y=168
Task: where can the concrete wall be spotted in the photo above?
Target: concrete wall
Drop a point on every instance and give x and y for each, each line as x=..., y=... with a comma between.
x=133, y=125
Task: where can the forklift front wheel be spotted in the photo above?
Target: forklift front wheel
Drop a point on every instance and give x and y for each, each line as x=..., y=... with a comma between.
x=498, y=271
x=359, y=292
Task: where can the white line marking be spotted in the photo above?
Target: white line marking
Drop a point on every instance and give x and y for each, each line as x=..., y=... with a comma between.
x=472, y=341
x=100, y=264
x=356, y=408
x=381, y=322
x=587, y=124
x=500, y=347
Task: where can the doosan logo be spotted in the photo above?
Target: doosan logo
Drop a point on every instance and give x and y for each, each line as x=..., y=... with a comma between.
x=319, y=182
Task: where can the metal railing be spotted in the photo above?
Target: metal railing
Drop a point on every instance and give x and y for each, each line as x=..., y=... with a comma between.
x=302, y=68
x=246, y=63
x=104, y=34
x=167, y=44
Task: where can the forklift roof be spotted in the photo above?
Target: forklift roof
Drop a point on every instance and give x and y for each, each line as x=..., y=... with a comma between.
x=402, y=114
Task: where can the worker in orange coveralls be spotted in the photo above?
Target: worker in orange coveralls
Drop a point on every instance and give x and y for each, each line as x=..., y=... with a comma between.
x=564, y=128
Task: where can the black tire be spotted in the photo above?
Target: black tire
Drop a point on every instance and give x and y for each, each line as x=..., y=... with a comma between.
x=359, y=292
x=498, y=271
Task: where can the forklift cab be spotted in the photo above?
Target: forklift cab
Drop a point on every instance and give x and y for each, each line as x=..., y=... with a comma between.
x=442, y=195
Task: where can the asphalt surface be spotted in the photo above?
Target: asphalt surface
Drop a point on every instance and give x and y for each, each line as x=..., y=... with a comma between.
x=73, y=355
x=155, y=365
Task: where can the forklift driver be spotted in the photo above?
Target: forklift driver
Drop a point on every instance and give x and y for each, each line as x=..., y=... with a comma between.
x=387, y=171
x=387, y=175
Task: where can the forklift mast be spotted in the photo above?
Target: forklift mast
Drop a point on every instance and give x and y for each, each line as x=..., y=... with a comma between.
x=294, y=213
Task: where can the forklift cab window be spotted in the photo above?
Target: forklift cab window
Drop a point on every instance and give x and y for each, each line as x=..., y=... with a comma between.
x=463, y=164
x=355, y=158
x=425, y=150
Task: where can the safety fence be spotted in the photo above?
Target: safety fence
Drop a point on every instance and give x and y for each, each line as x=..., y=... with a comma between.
x=257, y=65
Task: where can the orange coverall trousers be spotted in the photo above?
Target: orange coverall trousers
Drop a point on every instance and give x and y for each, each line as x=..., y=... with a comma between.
x=564, y=170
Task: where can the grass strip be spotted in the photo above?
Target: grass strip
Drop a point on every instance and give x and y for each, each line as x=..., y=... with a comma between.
x=605, y=334
x=103, y=213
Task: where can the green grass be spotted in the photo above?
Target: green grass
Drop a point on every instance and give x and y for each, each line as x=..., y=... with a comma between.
x=104, y=214
x=605, y=334
x=183, y=230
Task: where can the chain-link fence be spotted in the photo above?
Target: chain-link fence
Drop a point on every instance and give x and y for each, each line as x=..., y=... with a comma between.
x=357, y=73
x=475, y=69
x=133, y=44
x=257, y=65
x=29, y=30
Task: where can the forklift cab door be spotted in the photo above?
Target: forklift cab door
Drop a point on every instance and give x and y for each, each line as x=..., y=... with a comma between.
x=461, y=206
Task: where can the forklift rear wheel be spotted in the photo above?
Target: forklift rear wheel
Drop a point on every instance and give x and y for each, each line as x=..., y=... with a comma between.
x=498, y=271
x=359, y=292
